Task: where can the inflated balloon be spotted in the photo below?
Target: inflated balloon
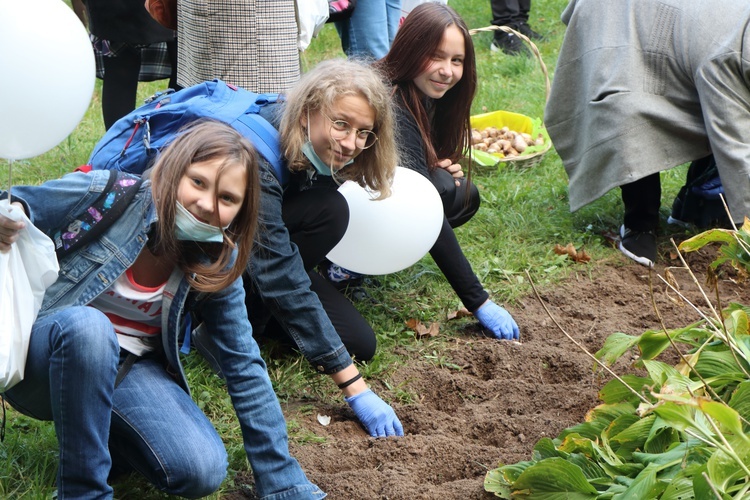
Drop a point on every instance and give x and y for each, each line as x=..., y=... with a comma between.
x=385, y=236
x=47, y=74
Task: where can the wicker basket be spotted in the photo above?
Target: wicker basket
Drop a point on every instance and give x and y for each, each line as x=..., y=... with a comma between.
x=514, y=121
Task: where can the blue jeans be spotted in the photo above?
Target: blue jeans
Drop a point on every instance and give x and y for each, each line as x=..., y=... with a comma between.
x=148, y=421
x=371, y=29
x=69, y=378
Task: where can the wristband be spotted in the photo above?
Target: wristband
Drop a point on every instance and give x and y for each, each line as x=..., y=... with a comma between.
x=349, y=382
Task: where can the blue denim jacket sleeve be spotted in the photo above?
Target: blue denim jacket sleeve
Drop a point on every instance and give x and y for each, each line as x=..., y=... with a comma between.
x=277, y=474
x=55, y=203
x=279, y=278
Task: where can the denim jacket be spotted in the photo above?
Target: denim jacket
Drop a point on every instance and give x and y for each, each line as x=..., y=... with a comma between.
x=88, y=272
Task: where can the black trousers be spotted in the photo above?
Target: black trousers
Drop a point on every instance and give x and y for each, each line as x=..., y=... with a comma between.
x=642, y=199
x=317, y=219
x=460, y=203
x=510, y=12
x=120, y=84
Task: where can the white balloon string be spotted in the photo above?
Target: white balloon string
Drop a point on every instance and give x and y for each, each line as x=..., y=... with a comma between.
x=10, y=177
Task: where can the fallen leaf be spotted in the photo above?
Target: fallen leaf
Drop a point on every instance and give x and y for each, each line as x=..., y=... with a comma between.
x=571, y=252
x=461, y=313
x=421, y=330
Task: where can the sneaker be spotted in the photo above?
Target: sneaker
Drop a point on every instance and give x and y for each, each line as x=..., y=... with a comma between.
x=638, y=245
x=338, y=274
x=526, y=30
x=508, y=43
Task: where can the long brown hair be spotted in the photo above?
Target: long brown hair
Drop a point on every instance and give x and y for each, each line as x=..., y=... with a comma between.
x=445, y=128
x=206, y=140
x=318, y=90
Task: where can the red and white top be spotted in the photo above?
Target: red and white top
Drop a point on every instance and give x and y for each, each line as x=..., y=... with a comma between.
x=135, y=312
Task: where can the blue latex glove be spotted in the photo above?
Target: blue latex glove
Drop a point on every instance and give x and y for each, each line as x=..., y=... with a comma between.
x=498, y=321
x=375, y=414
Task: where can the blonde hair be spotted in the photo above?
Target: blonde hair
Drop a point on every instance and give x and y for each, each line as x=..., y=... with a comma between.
x=318, y=90
x=200, y=141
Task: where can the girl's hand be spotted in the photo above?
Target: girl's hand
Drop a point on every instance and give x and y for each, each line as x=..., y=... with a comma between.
x=10, y=229
x=376, y=415
x=453, y=168
x=498, y=321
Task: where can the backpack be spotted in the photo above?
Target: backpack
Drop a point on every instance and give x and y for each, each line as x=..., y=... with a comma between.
x=133, y=142
x=121, y=188
x=698, y=201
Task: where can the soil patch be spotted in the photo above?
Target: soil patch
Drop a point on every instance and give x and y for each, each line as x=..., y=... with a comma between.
x=483, y=401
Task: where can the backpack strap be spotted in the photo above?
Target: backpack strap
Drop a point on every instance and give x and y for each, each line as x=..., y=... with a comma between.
x=263, y=135
x=120, y=190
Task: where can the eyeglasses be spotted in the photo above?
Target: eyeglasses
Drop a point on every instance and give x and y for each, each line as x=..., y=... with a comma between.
x=340, y=130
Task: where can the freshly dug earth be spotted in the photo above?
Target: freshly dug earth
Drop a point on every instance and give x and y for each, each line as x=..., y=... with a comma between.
x=481, y=401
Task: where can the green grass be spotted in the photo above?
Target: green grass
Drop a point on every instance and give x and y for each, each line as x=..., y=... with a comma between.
x=524, y=214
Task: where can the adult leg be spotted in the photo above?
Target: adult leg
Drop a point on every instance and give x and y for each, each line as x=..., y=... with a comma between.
x=316, y=220
x=460, y=203
x=172, y=51
x=120, y=84
x=393, y=13
x=506, y=13
x=69, y=378
x=160, y=432
x=365, y=33
x=642, y=199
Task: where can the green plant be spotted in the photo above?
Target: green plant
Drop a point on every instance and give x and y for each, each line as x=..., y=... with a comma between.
x=680, y=432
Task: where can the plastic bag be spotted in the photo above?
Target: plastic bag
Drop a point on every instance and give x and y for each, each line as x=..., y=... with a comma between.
x=311, y=17
x=26, y=270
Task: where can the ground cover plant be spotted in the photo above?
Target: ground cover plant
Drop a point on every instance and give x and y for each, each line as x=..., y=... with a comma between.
x=467, y=402
x=678, y=432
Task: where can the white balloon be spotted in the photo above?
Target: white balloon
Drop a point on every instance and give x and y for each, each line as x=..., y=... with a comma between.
x=386, y=236
x=47, y=74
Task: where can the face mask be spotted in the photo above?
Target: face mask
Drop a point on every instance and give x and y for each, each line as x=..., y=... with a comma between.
x=320, y=165
x=187, y=227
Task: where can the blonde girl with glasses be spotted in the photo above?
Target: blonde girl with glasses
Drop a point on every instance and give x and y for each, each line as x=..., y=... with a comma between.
x=336, y=125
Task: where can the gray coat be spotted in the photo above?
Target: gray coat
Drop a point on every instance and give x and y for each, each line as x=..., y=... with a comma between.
x=642, y=86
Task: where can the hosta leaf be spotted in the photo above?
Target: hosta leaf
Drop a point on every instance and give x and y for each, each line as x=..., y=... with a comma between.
x=737, y=322
x=684, y=417
x=615, y=346
x=512, y=471
x=661, y=437
x=615, y=392
x=632, y=437
x=591, y=470
x=622, y=423
x=652, y=343
x=680, y=488
x=553, y=479
x=700, y=240
x=702, y=488
x=678, y=452
x=660, y=372
x=623, y=470
x=598, y=419
x=719, y=363
x=494, y=482
x=726, y=416
x=576, y=443
x=545, y=448
x=645, y=485
x=740, y=400
x=724, y=470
